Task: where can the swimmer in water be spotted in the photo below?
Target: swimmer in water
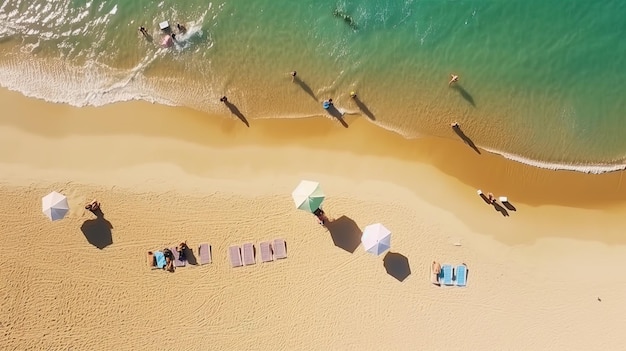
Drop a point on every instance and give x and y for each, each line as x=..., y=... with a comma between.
x=453, y=79
x=181, y=28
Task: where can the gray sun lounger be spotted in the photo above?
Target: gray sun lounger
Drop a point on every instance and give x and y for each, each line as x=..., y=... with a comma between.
x=177, y=261
x=204, y=251
x=235, y=256
x=280, y=249
x=266, y=252
x=247, y=251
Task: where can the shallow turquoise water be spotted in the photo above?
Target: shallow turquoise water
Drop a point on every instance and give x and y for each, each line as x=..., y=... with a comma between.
x=540, y=80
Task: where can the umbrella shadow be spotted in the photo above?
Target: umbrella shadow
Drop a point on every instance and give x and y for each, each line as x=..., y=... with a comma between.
x=307, y=89
x=345, y=233
x=333, y=111
x=235, y=111
x=464, y=94
x=465, y=138
x=366, y=111
x=98, y=231
x=397, y=265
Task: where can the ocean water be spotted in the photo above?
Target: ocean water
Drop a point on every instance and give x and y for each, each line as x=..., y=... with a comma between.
x=540, y=81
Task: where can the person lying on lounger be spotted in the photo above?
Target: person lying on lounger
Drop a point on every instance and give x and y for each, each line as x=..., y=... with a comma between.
x=169, y=260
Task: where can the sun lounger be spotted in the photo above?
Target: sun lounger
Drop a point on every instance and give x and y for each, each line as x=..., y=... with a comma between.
x=266, y=252
x=446, y=271
x=177, y=261
x=461, y=275
x=235, y=256
x=204, y=250
x=159, y=259
x=248, y=254
x=150, y=259
x=280, y=249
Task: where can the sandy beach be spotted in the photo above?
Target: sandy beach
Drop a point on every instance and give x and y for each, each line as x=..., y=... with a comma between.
x=545, y=277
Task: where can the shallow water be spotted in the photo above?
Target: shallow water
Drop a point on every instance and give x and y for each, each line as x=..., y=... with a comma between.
x=538, y=80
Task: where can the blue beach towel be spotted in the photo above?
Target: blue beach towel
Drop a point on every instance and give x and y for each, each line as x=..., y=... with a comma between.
x=159, y=258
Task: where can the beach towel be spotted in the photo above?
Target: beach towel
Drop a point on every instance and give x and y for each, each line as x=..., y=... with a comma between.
x=159, y=257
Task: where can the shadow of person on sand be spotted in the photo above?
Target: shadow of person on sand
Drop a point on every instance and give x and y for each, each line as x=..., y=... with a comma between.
x=465, y=138
x=500, y=209
x=366, y=111
x=235, y=111
x=307, y=89
x=464, y=94
x=509, y=206
x=98, y=231
x=345, y=233
x=397, y=265
x=333, y=111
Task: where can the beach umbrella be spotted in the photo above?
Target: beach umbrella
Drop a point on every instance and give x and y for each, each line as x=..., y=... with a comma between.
x=308, y=196
x=376, y=238
x=54, y=205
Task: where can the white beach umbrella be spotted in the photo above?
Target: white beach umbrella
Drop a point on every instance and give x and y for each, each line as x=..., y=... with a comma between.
x=308, y=196
x=376, y=238
x=54, y=205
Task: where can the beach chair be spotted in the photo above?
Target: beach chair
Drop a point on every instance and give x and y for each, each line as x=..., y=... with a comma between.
x=248, y=254
x=461, y=275
x=204, y=251
x=235, y=256
x=446, y=271
x=266, y=252
x=280, y=248
x=177, y=261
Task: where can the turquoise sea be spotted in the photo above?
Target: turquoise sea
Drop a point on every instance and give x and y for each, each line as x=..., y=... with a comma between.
x=540, y=81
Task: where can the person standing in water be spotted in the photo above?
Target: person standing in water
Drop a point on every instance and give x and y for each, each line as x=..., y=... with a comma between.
x=453, y=79
x=293, y=75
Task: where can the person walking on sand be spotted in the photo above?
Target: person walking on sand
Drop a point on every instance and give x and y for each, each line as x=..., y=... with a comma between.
x=353, y=94
x=224, y=99
x=453, y=79
x=455, y=125
x=293, y=75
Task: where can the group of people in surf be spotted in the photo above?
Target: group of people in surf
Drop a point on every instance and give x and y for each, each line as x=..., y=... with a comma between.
x=169, y=38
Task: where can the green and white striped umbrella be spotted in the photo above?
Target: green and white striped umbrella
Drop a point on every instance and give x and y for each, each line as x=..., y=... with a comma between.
x=308, y=196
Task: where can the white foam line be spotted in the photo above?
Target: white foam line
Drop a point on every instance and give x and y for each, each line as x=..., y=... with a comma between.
x=594, y=168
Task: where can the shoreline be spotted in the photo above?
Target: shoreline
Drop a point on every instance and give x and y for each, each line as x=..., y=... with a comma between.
x=591, y=168
x=488, y=171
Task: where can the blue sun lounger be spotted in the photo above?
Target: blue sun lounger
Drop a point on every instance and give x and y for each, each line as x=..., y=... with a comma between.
x=461, y=275
x=446, y=272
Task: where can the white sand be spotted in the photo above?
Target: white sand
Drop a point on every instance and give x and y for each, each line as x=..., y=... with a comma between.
x=534, y=279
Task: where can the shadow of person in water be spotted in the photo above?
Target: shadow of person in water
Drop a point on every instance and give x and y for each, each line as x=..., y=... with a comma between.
x=465, y=138
x=333, y=111
x=366, y=111
x=98, y=231
x=500, y=209
x=345, y=233
x=464, y=94
x=307, y=89
x=397, y=265
x=235, y=111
